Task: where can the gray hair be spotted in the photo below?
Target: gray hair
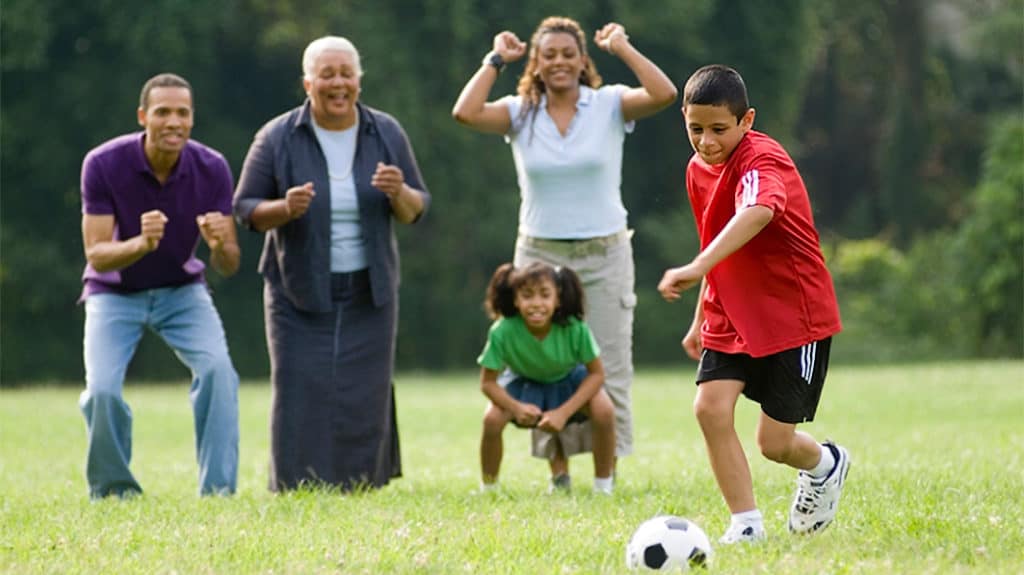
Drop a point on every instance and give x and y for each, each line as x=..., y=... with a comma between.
x=327, y=44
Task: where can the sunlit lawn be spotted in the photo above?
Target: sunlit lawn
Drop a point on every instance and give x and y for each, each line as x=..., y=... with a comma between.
x=935, y=487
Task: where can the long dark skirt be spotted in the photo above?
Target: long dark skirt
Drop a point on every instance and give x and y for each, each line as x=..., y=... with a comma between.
x=332, y=414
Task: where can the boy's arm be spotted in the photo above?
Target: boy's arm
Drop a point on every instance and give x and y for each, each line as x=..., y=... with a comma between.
x=692, y=343
x=555, y=419
x=746, y=224
x=525, y=414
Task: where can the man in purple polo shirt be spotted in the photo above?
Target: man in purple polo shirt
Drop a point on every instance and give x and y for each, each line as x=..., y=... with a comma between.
x=147, y=197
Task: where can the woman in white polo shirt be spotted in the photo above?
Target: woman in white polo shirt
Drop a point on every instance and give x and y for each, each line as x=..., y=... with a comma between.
x=566, y=133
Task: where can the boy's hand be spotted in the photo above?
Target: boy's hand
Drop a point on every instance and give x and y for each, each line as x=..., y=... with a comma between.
x=677, y=280
x=552, y=421
x=692, y=344
x=526, y=414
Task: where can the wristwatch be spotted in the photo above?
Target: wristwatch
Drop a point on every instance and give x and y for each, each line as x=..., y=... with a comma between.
x=494, y=59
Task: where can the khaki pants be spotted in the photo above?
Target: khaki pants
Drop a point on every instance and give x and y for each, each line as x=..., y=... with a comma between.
x=605, y=266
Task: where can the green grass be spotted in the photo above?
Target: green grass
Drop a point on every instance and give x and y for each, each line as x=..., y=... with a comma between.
x=935, y=487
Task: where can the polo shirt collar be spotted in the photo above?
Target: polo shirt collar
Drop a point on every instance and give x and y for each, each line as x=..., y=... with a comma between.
x=586, y=96
x=140, y=162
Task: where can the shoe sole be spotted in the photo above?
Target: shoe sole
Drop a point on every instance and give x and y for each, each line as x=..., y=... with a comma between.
x=821, y=525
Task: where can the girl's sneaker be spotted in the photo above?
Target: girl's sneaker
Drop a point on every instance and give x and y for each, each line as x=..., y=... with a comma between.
x=560, y=483
x=817, y=500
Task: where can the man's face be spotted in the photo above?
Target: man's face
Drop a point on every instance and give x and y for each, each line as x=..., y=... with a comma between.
x=167, y=119
x=714, y=131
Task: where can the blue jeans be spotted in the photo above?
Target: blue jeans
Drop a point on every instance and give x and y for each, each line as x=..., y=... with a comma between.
x=185, y=318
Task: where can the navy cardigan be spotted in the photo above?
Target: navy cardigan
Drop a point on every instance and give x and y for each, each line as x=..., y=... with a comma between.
x=297, y=255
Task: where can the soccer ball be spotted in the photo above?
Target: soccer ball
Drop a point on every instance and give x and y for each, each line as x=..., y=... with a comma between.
x=667, y=543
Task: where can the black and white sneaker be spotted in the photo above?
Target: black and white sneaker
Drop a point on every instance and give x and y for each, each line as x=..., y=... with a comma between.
x=817, y=500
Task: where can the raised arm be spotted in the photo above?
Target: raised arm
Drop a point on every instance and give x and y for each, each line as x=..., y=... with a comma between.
x=656, y=90
x=472, y=108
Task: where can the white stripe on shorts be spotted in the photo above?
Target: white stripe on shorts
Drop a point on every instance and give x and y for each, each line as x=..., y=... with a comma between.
x=807, y=357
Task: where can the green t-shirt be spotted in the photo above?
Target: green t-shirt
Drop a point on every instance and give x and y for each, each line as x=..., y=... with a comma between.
x=510, y=344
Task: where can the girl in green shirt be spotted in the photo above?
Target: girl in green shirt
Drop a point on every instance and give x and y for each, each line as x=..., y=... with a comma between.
x=539, y=334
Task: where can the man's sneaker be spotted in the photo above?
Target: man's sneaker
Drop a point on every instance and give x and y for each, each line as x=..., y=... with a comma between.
x=560, y=483
x=742, y=533
x=817, y=500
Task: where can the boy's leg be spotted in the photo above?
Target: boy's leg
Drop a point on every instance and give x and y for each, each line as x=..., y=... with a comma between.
x=796, y=378
x=186, y=319
x=491, y=445
x=782, y=443
x=113, y=328
x=714, y=407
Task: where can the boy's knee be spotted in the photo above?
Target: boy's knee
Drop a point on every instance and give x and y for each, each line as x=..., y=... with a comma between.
x=710, y=413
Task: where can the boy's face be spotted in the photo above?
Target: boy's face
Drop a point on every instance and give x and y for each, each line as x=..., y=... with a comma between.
x=714, y=132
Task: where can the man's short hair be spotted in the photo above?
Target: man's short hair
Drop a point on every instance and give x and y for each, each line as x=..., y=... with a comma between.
x=327, y=44
x=165, y=80
x=717, y=85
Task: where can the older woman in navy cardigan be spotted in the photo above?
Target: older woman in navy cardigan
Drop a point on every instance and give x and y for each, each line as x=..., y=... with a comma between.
x=325, y=181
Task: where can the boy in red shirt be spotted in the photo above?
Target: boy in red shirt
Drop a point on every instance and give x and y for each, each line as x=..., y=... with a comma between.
x=767, y=309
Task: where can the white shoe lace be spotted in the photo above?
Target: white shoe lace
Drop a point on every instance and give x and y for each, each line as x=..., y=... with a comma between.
x=807, y=494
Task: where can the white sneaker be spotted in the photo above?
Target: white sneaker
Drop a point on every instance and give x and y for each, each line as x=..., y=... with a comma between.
x=741, y=533
x=817, y=500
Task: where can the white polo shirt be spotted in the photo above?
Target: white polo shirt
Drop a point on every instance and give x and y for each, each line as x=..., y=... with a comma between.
x=570, y=185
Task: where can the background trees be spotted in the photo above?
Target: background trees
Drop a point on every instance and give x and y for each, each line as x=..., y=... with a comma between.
x=905, y=117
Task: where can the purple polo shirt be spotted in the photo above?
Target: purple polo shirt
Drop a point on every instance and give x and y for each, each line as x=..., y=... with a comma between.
x=118, y=180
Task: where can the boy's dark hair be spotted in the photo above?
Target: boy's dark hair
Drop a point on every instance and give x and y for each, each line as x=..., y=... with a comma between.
x=165, y=80
x=717, y=85
x=501, y=292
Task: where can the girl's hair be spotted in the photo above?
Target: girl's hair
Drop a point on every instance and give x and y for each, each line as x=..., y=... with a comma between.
x=531, y=87
x=717, y=85
x=501, y=292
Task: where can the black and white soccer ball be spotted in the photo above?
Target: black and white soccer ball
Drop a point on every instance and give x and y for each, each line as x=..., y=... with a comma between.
x=668, y=543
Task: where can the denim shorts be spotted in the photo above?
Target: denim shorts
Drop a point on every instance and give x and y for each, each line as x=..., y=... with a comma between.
x=548, y=396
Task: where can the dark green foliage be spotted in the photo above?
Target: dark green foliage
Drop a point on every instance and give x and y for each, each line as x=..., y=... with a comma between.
x=833, y=80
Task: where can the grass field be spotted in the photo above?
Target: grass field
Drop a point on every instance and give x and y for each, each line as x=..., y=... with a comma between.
x=935, y=487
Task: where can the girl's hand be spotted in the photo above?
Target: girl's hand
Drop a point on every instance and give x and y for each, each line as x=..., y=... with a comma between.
x=553, y=421
x=526, y=414
x=509, y=46
x=611, y=33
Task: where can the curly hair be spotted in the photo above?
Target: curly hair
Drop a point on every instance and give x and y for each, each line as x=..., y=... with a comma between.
x=501, y=292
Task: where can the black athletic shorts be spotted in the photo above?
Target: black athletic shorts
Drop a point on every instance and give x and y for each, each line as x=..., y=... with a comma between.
x=787, y=384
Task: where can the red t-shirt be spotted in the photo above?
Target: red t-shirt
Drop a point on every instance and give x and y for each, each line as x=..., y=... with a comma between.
x=775, y=292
